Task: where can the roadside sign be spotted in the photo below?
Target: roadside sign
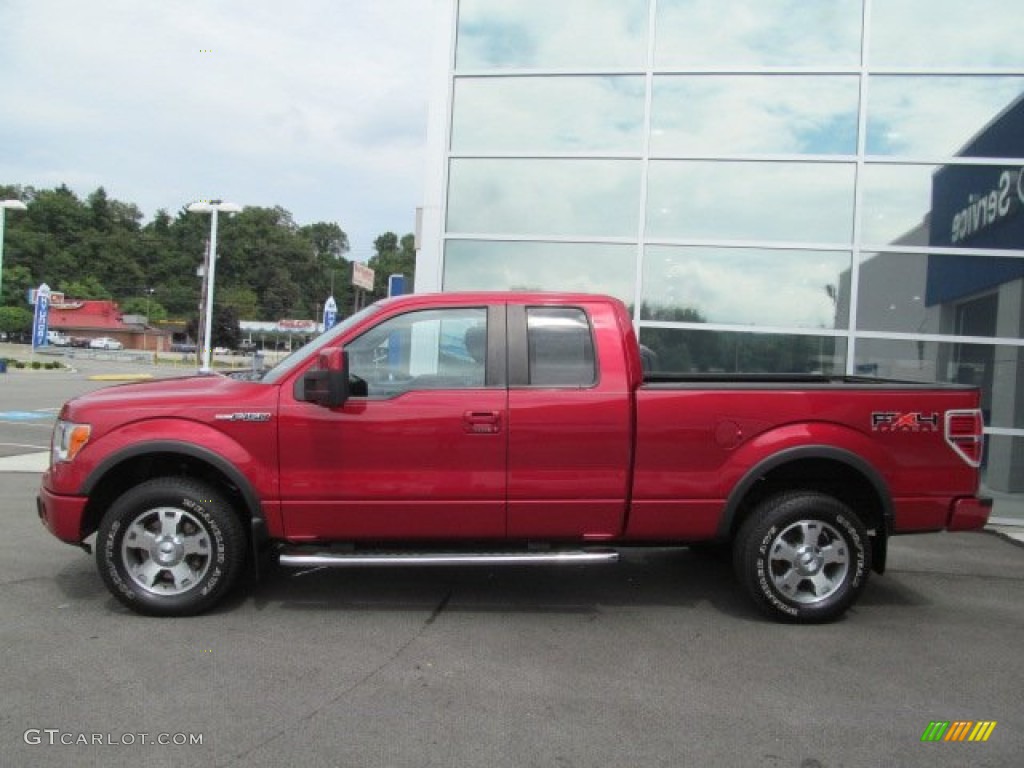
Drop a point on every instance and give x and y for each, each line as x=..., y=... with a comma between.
x=330, y=313
x=362, y=276
x=41, y=317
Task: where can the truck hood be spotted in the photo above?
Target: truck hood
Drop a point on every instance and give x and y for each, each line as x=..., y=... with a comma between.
x=191, y=397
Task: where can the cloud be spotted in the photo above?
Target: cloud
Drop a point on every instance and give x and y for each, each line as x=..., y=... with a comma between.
x=319, y=106
x=932, y=116
x=546, y=34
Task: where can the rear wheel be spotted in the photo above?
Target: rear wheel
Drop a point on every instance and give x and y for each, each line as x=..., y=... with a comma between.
x=803, y=557
x=170, y=547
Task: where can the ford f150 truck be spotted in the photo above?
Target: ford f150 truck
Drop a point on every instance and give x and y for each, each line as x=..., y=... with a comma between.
x=499, y=428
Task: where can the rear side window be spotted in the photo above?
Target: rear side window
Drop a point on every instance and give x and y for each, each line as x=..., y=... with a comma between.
x=561, y=347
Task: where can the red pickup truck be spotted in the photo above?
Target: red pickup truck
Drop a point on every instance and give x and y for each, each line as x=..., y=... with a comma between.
x=498, y=428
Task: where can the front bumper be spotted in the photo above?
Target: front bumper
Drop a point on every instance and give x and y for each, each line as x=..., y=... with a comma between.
x=62, y=515
x=969, y=514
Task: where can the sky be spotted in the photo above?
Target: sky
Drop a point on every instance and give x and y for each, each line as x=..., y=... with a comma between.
x=318, y=106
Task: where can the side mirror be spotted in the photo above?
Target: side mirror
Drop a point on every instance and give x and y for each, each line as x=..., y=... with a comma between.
x=327, y=383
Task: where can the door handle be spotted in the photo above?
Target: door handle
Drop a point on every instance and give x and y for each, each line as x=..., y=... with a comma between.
x=482, y=422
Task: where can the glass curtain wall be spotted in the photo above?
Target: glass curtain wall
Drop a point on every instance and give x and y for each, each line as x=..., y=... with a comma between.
x=770, y=185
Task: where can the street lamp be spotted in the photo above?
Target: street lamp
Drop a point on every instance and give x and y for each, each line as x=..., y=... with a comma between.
x=145, y=326
x=212, y=207
x=14, y=205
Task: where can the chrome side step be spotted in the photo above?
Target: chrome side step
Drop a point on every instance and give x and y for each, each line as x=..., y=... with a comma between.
x=295, y=558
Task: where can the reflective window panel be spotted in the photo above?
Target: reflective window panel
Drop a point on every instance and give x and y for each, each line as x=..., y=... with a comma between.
x=737, y=114
x=997, y=369
x=946, y=33
x=568, y=34
x=950, y=206
x=795, y=202
x=598, y=198
x=1003, y=473
x=928, y=293
x=771, y=33
x=475, y=265
x=679, y=350
x=929, y=116
x=548, y=114
x=746, y=286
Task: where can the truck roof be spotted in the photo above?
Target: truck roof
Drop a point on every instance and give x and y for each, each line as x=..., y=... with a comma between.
x=500, y=297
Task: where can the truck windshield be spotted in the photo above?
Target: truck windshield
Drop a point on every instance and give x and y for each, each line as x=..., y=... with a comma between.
x=310, y=348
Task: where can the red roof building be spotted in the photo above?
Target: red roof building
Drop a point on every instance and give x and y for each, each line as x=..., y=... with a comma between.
x=90, y=319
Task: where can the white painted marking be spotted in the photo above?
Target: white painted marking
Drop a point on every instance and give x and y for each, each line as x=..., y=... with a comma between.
x=26, y=462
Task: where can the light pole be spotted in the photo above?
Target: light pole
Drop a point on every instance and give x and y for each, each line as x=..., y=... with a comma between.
x=14, y=205
x=212, y=207
x=145, y=327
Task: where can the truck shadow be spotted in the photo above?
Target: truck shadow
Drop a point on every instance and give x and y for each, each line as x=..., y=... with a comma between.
x=643, y=577
x=680, y=578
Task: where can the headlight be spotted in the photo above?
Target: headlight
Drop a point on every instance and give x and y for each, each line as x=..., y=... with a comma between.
x=68, y=439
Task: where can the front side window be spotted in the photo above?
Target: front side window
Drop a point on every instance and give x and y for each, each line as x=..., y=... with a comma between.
x=431, y=349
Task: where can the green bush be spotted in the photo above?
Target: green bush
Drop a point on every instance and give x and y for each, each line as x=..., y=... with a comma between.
x=36, y=365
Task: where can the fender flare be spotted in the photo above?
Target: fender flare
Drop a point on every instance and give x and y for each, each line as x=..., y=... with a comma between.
x=799, y=453
x=222, y=465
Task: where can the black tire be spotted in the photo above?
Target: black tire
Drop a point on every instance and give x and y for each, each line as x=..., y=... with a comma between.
x=170, y=547
x=803, y=557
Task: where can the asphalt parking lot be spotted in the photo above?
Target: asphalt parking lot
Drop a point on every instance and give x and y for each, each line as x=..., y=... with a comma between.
x=657, y=661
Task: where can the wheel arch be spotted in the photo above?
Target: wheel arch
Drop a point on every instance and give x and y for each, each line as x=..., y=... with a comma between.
x=137, y=463
x=835, y=471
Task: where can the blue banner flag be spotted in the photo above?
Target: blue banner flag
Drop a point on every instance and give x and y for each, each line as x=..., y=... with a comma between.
x=42, y=316
x=330, y=313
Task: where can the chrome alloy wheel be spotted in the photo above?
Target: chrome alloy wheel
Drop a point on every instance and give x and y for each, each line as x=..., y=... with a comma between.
x=808, y=561
x=166, y=550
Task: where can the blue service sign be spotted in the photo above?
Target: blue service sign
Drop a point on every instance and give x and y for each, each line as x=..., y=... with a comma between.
x=396, y=285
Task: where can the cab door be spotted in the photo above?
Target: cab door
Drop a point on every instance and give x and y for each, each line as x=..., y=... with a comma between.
x=570, y=439
x=419, y=451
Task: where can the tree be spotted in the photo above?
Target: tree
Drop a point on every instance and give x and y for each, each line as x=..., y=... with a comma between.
x=392, y=257
x=15, y=320
x=268, y=266
x=16, y=282
x=146, y=306
x=327, y=239
x=224, y=329
x=87, y=287
x=243, y=300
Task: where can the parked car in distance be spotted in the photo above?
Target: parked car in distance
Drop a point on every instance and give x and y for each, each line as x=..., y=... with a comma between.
x=181, y=346
x=105, y=342
x=80, y=341
x=57, y=339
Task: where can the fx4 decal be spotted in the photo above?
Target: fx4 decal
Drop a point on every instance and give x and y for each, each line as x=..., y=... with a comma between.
x=912, y=421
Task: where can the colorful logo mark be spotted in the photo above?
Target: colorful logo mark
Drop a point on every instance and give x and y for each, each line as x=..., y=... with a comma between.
x=958, y=730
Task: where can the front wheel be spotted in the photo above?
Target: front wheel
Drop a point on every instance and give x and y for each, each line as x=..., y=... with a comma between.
x=170, y=547
x=803, y=557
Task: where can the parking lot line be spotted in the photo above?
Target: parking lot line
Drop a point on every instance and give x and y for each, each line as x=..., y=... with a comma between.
x=26, y=462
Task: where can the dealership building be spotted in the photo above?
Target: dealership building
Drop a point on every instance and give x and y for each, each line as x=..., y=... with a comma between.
x=770, y=185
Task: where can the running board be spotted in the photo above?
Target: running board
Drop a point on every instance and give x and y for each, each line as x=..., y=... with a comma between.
x=294, y=558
